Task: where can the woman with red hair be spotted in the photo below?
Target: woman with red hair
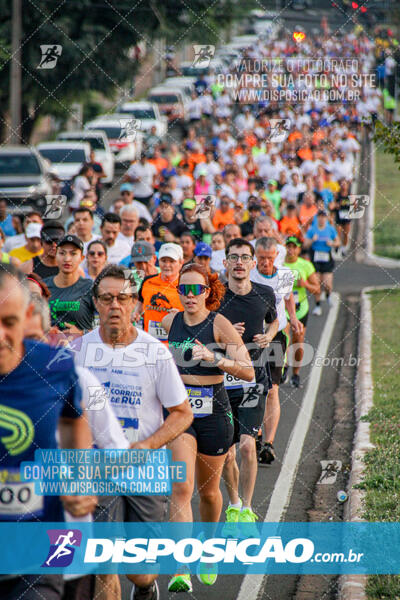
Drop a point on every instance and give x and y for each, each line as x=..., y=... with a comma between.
x=194, y=336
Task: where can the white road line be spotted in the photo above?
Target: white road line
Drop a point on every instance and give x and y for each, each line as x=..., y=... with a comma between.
x=252, y=584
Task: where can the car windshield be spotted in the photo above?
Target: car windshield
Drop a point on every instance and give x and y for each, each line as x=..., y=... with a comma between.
x=63, y=155
x=193, y=71
x=164, y=98
x=112, y=132
x=19, y=164
x=139, y=113
x=96, y=143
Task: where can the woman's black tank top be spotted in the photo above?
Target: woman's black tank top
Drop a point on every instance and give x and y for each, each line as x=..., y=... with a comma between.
x=181, y=340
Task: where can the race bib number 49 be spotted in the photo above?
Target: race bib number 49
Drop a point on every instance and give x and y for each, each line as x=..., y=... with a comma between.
x=201, y=400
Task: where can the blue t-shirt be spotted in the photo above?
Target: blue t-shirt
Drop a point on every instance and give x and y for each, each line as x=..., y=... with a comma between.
x=324, y=235
x=7, y=226
x=43, y=388
x=326, y=195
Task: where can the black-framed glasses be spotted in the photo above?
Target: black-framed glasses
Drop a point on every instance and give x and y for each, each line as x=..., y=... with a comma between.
x=107, y=299
x=234, y=258
x=197, y=289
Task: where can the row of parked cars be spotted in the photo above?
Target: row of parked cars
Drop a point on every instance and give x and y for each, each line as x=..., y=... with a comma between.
x=28, y=174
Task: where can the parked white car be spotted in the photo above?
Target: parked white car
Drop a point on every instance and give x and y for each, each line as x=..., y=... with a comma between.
x=172, y=102
x=99, y=144
x=148, y=114
x=186, y=84
x=65, y=158
x=125, y=141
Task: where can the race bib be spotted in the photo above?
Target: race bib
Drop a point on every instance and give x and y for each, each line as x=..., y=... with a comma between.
x=343, y=214
x=231, y=382
x=201, y=400
x=321, y=256
x=18, y=498
x=296, y=297
x=130, y=427
x=157, y=331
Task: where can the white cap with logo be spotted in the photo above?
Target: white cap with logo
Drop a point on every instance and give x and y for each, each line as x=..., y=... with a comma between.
x=170, y=250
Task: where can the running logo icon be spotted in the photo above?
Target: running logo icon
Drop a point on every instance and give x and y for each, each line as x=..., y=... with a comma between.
x=280, y=129
x=204, y=204
x=358, y=204
x=98, y=396
x=62, y=547
x=129, y=129
x=202, y=55
x=285, y=282
x=50, y=55
x=55, y=205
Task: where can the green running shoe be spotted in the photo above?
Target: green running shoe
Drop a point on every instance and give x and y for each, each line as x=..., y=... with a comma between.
x=249, y=518
x=231, y=528
x=207, y=573
x=180, y=583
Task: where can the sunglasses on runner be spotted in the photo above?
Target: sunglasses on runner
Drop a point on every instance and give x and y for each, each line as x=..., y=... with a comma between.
x=94, y=253
x=109, y=298
x=196, y=288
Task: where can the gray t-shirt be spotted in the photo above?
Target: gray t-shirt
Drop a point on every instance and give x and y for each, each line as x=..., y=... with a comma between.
x=72, y=304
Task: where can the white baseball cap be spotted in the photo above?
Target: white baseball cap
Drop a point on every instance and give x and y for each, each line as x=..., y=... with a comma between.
x=33, y=230
x=170, y=250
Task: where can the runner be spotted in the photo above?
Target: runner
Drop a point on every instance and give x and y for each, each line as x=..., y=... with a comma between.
x=35, y=400
x=281, y=281
x=340, y=207
x=204, y=446
x=305, y=281
x=46, y=264
x=71, y=306
x=321, y=238
x=248, y=306
x=150, y=386
x=159, y=294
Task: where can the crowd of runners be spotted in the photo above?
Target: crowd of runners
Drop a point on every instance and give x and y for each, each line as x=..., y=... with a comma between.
x=205, y=263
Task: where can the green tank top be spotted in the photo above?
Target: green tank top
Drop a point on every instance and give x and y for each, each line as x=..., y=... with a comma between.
x=302, y=269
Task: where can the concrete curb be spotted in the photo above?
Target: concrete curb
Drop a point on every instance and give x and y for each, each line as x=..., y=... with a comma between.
x=372, y=258
x=352, y=587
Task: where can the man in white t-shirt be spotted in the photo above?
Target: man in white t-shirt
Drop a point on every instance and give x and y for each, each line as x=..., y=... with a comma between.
x=142, y=175
x=110, y=228
x=281, y=280
x=264, y=227
x=291, y=191
x=141, y=379
x=129, y=222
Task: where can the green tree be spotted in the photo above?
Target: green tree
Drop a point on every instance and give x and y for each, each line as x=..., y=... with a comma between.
x=96, y=38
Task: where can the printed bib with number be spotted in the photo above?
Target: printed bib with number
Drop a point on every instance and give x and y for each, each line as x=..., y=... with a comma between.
x=321, y=256
x=231, y=382
x=130, y=427
x=201, y=400
x=18, y=498
x=157, y=331
x=296, y=297
x=343, y=214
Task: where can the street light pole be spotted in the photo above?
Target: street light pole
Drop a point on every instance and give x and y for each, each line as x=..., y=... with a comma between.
x=15, y=72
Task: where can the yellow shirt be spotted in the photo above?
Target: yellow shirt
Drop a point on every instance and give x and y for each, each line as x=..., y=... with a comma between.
x=23, y=253
x=333, y=186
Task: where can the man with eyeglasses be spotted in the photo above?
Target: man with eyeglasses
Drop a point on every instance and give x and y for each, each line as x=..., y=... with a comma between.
x=45, y=265
x=137, y=395
x=281, y=280
x=251, y=308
